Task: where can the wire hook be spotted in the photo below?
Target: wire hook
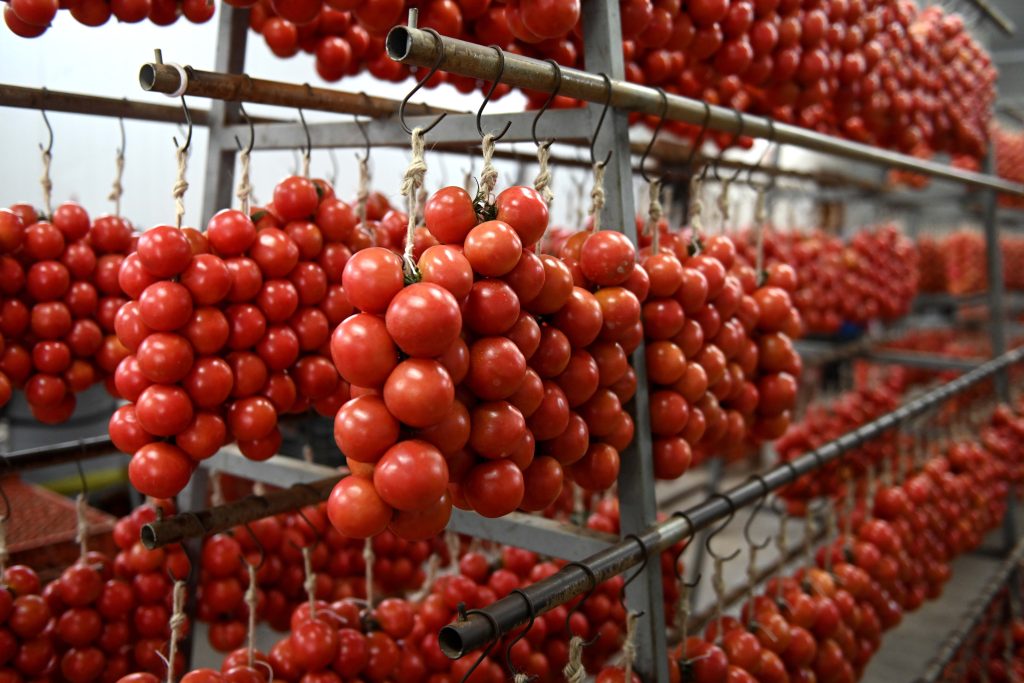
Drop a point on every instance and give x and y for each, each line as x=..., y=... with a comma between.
x=252, y=132
x=366, y=138
x=547, y=103
x=490, y=93
x=764, y=155
x=259, y=547
x=675, y=564
x=654, y=135
x=742, y=123
x=49, y=130
x=699, y=139
x=490, y=646
x=640, y=570
x=707, y=541
x=433, y=70
x=188, y=122
x=757, y=508
x=600, y=122
x=532, y=611
x=305, y=129
x=586, y=596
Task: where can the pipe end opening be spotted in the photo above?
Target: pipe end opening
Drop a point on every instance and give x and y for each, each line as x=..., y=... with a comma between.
x=451, y=642
x=148, y=536
x=398, y=44
x=147, y=76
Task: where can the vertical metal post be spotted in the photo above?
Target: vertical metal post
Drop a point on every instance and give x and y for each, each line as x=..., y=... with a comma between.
x=997, y=323
x=193, y=498
x=218, y=184
x=637, y=503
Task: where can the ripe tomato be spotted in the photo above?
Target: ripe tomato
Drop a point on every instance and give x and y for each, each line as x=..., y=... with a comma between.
x=411, y=475
x=356, y=509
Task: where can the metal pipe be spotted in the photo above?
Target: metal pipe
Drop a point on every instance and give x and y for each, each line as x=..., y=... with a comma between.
x=996, y=16
x=419, y=48
x=57, y=454
x=461, y=637
x=916, y=359
x=74, y=103
x=952, y=644
x=223, y=517
x=165, y=78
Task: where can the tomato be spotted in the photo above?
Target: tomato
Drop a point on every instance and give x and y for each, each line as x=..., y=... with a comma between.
x=449, y=215
x=79, y=585
x=542, y=484
x=356, y=509
x=607, y=258
x=160, y=470
x=494, y=488
x=411, y=475
x=295, y=197
x=164, y=251
x=598, y=469
x=165, y=306
x=363, y=351
x=423, y=319
x=493, y=248
x=491, y=307
x=419, y=392
x=558, y=287
x=446, y=266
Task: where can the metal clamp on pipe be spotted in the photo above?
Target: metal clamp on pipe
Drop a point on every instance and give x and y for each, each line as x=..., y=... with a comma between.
x=509, y=613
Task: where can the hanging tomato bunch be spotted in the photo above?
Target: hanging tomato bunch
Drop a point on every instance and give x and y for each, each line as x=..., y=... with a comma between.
x=31, y=18
x=59, y=278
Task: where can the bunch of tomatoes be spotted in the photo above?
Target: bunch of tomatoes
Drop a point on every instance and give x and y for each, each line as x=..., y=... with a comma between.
x=874, y=277
x=59, y=280
x=994, y=648
x=228, y=329
x=31, y=18
x=1008, y=148
x=955, y=262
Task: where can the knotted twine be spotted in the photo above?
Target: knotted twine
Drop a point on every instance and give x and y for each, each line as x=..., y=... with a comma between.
x=760, y=217
x=251, y=602
x=117, y=190
x=45, y=181
x=177, y=622
x=718, y=583
x=697, y=204
x=723, y=204
x=781, y=545
x=81, y=526
x=683, y=610
x=216, y=488
x=305, y=163
x=433, y=567
x=451, y=541
x=368, y=559
x=309, y=584
x=363, y=190
x=180, y=185
x=244, y=191
x=629, y=646
x=654, y=213
x=488, y=174
x=412, y=180
x=597, y=196
x=542, y=183
x=573, y=670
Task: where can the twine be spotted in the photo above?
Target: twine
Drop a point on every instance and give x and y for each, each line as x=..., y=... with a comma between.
x=488, y=174
x=310, y=583
x=781, y=546
x=180, y=186
x=411, y=182
x=451, y=541
x=718, y=583
x=176, y=623
x=244, y=191
x=683, y=610
x=629, y=646
x=760, y=218
x=368, y=559
x=542, y=183
x=251, y=601
x=869, y=494
x=849, y=509
x=578, y=506
x=258, y=488
x=808, y=533
x=597, y=196
x=654, y=212
x=305, y=164
x=307, y=453
x=4, y=554
x=723, y=204
x=117, y=190
x=520, y=677
x=752, y=575
x=696, y=205
x=82, y=526
x=831, y=531
x=47, y=184
x=573, y=670
x=363, y=190
x=216, y=488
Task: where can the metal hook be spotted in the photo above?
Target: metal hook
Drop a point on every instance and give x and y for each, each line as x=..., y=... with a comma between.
x=316, y=532
x=252, y=131
x=433, y=70
x=490, y=646
x=188, y=122
x=721, y=152
x=654, y=136
x=333, y=179
x=764, y=155
x=699, y=140
x=675, y=564
x=366, y=138
x=757, y=508
x=490, y=93
x=49, y=130
x=305, y=129
x=532, y=611
x=547, y=104
x=586, y=596
x=643, y=564
x=707, y=541
x=120, y=123
x=259, y=547
x=600, y=122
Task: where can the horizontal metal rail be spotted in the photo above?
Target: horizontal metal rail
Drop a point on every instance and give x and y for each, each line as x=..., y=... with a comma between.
x=510, y=612
x=74, y=103
x=419, y=48
x=975, y=613
x=917, y=359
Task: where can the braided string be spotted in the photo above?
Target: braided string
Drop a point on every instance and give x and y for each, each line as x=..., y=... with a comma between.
x=760, y=218
x=180, y=186
x=244, y=191
x=46, y=183
x=117, y=190
x=718, y=583
x=309, y=584
x=629, y=646
x=251, y=602
x=412, y=180
x=573, y=670
x=488, y=174
x=597, y=196
x=305, y=163
x=363, y=190
x=723, y=203
x=82, y=526
x=654, y=213
x=696, y=204
x=542, y=183
x=177, y=622
x=683, y=610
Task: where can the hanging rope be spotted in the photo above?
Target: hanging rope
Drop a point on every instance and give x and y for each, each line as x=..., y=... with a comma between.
x=654, y=213
x=723, y=204
x=573, y=670
x=542, y=183
x=117, y=190
x=310, y=582
x=244, y=191
x=177, y=622
x=411, y=182
x=718, y=583
x=488, y=174
x=831, y=531
x=597, y=196
x=180, y=186
x=760, y=218
x=782, y=546
x=82, y=525
x=751, y=572
x=251, y=602
x=696, y=204
x=808, y=534
x=46, y=183
x=363, y=190
x=451, y=541
x=629, y=646
x=368, y=559
x=683, y=609
x=217, y=488
x=306, y=157
x=849, y=506
x=4, y=554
